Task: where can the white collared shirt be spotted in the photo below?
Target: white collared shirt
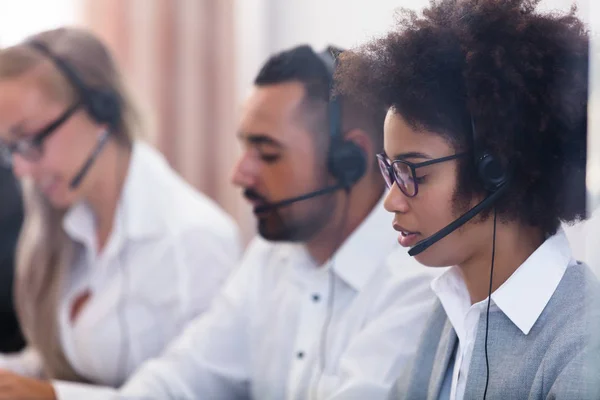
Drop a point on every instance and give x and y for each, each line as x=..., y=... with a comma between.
x=170, y=250
x=285, y=328
x=522, y=298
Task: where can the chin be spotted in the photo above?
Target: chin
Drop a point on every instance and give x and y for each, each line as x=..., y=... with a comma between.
x=61, y=205
x=60, y=201
x=431, y=258
x=271, y=233
x=277, y=231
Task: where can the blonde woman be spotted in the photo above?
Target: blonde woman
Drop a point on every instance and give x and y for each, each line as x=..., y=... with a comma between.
x=117, y=252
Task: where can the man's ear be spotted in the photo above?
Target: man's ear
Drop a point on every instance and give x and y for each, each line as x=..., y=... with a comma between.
x=362, y=140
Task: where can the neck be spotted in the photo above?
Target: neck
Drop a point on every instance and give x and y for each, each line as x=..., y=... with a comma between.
x=105, y=188
x=350, y=211
x=514, y=244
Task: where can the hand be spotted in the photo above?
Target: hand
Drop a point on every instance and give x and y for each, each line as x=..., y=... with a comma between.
x=17, y=387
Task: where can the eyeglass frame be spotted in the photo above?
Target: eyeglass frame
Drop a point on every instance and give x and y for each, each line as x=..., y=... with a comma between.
x=389, y=164
x=22, y=145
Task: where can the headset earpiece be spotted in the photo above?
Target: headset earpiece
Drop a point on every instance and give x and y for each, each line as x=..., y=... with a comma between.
x=492, y=174
x=346, y=161
x=104, y=107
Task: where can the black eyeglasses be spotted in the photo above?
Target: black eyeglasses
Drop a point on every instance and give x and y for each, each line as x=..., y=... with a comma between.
x=30, y=148
x=403, y=172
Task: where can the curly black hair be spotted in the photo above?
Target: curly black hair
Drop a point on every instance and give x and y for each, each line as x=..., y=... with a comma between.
x=520, y=74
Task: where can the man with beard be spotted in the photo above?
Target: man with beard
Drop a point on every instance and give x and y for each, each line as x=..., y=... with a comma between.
x=325, y=304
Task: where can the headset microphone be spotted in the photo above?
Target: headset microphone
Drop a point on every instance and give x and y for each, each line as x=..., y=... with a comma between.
x=102, y=140
x=287, y=202
x=457, y=223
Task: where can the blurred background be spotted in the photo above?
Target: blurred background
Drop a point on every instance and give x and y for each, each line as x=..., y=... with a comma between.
x=190, y=64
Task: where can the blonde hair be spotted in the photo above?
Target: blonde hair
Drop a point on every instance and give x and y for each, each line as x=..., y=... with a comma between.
x=45, y=252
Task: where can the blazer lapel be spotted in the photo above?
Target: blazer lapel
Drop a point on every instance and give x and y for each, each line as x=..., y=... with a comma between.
x=443, y=356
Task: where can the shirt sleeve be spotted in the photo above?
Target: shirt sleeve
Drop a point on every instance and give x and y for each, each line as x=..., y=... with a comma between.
x=211, y=359
x=71, y=390
x=27, y=363
x=381, y=351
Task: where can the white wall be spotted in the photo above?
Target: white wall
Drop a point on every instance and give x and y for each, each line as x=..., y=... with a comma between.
x=349, y=22
x=342, y=22
x=591, y=232
x=21, y=18
x=267, y=26
x=252, y=26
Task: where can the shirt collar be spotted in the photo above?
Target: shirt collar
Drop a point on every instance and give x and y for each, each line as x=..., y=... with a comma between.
x=452, y=292
x=363, y=252
x=523, y=297
x=525, y=294
x=136, y=215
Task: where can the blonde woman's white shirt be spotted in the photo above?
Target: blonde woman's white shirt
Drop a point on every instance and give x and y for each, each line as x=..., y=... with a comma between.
x=169, y=252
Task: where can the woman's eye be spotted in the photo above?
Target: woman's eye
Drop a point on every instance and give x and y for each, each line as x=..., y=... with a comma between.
x=420, y=179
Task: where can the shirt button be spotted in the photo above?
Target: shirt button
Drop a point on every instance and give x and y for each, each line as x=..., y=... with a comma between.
x=316, y=297
x=300, y=355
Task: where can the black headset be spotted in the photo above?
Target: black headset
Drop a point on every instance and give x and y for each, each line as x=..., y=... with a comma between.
x=492, y=174
x=102, y=105
x=346, y=161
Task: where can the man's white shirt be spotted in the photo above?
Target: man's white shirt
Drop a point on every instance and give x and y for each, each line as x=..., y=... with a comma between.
x=286, y=328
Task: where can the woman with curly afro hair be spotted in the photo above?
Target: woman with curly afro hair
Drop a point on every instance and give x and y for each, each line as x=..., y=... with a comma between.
x=485, y=141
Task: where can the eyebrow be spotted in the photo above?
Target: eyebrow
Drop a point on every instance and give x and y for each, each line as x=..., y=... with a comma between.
x=259, y=139
x=411, y=154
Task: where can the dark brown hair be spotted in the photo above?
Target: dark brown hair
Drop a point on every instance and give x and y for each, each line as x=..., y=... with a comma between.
x=302, y=64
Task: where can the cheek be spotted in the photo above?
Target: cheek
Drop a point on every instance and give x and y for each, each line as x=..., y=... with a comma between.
x=65, y=151
x=56, y=157
x=434, y=206
x=435, y=210
x=292, y=176
x=453, y=249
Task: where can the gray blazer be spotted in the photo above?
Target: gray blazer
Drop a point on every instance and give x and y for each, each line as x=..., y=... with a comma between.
x=558, y=359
